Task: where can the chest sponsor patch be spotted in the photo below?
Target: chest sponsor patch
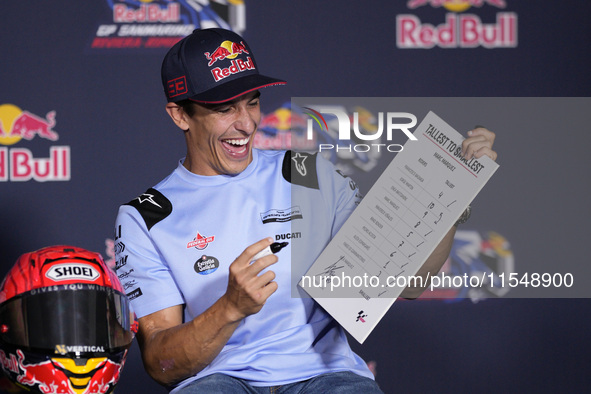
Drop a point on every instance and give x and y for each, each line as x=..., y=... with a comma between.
x=200, y=242
x=206, y=265
x=282, y=215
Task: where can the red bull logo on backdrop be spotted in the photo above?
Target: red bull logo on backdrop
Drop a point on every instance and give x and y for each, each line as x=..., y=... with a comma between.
x=458, y=30
x=476, y=268
x=283, y=128
x=135, y=24
x=19, y=164
x=456, y=5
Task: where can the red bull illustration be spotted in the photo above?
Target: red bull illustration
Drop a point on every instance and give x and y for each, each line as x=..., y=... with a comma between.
x=141, y=24
x=43, y=376
x=28, y=126
x=487, y=258
x=63, y=376
x=146, y=13
x=19, y=164
x=16, y=124
x=227, y=49
x=455, y=5
x=282, y=119
x=460, y=30
x=105, y=378
x=283, y=129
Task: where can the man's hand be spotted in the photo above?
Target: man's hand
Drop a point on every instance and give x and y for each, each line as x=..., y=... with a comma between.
x=479, y=143
x=173, y=350
x=248, y=288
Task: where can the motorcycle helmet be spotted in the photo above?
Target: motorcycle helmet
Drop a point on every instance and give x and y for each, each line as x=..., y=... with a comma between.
x=65, y=323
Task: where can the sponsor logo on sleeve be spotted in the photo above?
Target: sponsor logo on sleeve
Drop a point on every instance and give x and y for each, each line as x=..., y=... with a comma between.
x=135, y=294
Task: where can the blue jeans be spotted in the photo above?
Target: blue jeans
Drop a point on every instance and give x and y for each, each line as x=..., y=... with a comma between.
x=336, y=382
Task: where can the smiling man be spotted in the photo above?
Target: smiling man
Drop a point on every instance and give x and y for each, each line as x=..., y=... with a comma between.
x=213, y=316
x=219, y=137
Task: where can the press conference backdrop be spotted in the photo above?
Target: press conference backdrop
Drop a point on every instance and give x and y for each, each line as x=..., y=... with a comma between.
x=83, y=130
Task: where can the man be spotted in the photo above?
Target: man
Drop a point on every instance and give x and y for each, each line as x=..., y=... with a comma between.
x=210, y=318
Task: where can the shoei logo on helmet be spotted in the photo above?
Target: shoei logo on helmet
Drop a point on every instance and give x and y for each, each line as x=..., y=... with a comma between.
x=70, y=271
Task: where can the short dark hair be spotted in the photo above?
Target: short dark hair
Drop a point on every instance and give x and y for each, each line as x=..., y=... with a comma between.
x=188, y=106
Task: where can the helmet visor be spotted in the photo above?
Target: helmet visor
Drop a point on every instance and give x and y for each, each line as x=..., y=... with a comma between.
x=67, y=318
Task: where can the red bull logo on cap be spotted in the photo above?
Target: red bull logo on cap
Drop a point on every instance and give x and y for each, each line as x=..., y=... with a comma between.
x=229, y=50
x=19, y=164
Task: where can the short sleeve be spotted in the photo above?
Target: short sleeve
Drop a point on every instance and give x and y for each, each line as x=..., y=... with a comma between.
x=143, y=272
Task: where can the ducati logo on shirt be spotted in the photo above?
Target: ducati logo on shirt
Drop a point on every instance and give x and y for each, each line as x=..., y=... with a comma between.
x=200, y=242
x=206, y=265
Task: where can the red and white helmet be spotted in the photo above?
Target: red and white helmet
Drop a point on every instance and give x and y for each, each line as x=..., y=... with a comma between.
x=65, y=322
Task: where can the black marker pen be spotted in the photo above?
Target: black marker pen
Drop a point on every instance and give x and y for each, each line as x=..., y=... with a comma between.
x=271, y=249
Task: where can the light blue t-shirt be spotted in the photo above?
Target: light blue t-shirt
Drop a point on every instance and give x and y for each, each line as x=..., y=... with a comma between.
x=176, y=241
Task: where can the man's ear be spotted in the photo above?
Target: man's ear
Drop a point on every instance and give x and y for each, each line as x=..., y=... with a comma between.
x=178, y=116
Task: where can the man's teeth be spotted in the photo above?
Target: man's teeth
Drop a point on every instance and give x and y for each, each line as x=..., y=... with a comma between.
x=238, y=142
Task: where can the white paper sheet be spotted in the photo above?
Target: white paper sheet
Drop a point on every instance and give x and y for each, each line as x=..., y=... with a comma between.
x=400, y=221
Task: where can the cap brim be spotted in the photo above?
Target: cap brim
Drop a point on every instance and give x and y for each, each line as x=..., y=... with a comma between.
x=235, y=88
